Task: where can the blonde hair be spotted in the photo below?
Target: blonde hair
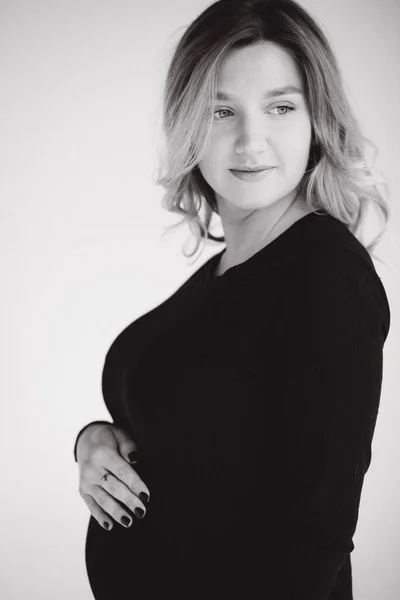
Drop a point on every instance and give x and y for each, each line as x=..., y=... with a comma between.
x=337, y=180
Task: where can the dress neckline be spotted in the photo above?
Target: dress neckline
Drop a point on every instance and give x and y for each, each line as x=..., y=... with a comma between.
x=254, y=259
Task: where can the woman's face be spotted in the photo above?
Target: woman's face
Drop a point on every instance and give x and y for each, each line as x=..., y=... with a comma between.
x=260, y=124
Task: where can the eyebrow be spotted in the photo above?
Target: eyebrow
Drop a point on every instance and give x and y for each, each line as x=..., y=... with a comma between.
x=289, y=89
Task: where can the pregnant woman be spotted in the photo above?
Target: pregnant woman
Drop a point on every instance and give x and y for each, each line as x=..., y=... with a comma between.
x=244, y=406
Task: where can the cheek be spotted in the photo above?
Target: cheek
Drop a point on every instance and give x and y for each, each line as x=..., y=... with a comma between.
x=295, y=144
x=217, y=147
x=214, y=157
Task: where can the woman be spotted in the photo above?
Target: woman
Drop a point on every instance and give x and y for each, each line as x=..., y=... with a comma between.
x=249, y=397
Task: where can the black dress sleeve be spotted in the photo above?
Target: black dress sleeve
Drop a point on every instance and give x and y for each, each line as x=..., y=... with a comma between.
x=332, y=327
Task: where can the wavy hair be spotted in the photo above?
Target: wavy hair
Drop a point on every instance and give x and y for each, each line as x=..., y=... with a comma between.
x=337, y=180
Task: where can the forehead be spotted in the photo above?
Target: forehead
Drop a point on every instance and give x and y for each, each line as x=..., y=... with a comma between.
x=260, y=66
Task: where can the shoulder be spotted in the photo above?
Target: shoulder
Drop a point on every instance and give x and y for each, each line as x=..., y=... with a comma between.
x=322, y=271
x=325, y=263
x=336, y=280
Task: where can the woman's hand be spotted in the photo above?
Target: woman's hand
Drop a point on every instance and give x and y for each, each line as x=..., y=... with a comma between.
x=99, y=451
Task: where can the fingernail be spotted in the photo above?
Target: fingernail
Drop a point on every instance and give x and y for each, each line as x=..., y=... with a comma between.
x=139, y=512
x=144, y=497
x=125, y=521
x=133, y=456
x=106, y=525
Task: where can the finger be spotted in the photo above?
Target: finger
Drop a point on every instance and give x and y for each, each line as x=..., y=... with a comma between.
x=112, y=507
x=117, y=489
x=126, y=446
x=98, y=513
x=118, y=467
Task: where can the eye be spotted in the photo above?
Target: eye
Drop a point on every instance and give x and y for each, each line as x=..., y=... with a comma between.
x=221, y=110
x=285, y=107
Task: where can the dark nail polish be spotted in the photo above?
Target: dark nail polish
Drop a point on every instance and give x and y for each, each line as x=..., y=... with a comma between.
x=139, y=512
x=144, y=497
x=106, y=525
x=125, y=521
x=133, y=456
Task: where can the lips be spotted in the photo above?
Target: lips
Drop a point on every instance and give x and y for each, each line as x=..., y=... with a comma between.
x=251, y=170
x=251, y=176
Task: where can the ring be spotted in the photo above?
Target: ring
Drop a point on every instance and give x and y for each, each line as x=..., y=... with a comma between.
x=104, y=478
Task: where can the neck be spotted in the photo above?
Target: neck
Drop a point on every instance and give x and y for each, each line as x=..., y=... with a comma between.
x=282, y=221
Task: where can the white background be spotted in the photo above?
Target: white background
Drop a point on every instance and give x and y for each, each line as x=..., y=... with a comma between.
x=82, y=255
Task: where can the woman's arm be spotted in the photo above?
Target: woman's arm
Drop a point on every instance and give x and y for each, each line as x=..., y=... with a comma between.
x=333, y=326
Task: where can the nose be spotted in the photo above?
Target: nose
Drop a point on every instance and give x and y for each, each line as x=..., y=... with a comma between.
x=252, y=137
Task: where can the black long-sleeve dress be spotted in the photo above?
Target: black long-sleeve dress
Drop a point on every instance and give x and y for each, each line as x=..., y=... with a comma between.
x=253, y=400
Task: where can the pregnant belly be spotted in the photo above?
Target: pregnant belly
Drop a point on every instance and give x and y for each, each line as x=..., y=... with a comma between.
x=187, y=546
x=137, y=560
